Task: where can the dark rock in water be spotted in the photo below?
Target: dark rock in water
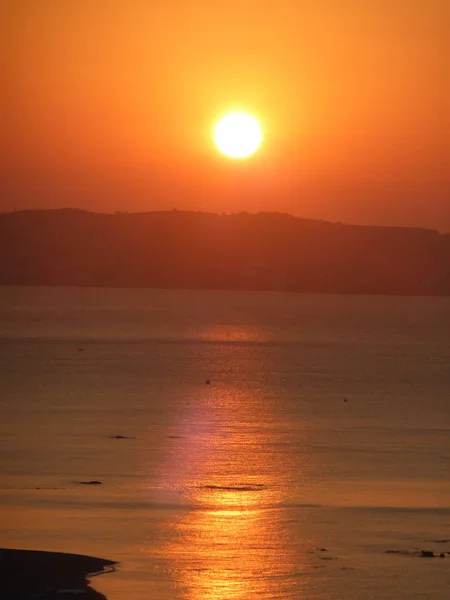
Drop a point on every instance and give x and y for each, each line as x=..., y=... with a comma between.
x=321, y=549
x=345, y=400
x=118, y=437
x=441, y=541
x=80, y=349
x=441, y=555
x=207, y=382
x=93, y=482
x=427, y=553
x=244, y=487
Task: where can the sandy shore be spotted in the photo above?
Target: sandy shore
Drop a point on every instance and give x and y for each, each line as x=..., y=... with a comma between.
x=29, y=574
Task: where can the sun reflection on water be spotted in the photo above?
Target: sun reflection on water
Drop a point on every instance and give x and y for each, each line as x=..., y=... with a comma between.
x=232, y=541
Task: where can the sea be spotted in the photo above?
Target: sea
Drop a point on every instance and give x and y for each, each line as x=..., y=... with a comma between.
x=248, y=445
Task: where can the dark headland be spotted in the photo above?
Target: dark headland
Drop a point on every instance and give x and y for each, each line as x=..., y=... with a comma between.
x=26, y=574
x=192, y=250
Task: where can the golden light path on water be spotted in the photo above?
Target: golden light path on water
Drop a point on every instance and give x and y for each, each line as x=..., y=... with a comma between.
x=232, y=464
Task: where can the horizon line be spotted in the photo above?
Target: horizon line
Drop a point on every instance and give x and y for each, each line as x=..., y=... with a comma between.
x=221, y=215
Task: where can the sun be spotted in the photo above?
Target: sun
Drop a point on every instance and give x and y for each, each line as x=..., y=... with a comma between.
x=237, y=135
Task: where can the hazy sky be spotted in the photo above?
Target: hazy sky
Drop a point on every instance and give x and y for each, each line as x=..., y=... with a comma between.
x=109, y=105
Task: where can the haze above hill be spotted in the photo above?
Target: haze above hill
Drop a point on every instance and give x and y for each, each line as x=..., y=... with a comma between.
x=114, y=109
x=177, y=249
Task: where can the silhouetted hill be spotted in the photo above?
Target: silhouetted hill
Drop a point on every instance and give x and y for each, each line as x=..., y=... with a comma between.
x=177, y=249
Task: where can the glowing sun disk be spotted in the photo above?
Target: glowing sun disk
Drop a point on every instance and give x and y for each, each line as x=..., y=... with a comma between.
x=237, y=135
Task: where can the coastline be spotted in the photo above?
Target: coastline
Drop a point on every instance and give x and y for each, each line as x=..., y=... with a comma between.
x=27, y=574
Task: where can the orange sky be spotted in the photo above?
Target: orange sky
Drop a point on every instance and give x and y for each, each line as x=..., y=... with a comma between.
x=109, y=106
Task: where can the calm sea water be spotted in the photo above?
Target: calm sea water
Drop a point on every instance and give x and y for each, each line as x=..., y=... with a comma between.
x=314, y=465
